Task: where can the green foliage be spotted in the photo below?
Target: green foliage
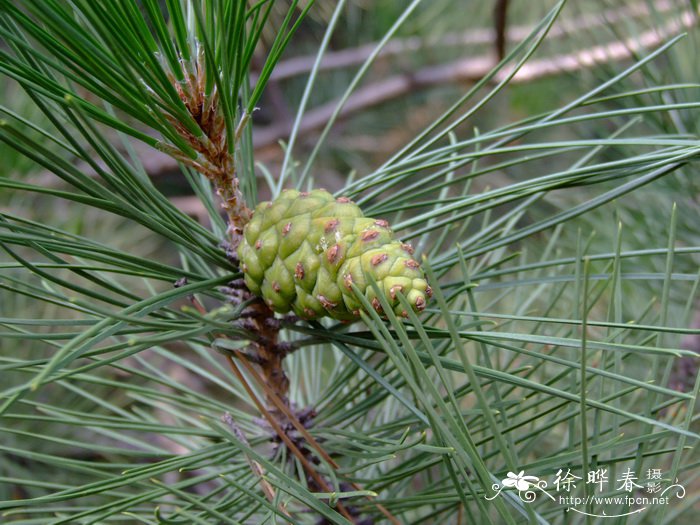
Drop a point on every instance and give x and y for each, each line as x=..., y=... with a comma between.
x=545, y=347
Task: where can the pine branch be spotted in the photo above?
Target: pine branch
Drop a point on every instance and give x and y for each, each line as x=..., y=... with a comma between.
x=469, y=70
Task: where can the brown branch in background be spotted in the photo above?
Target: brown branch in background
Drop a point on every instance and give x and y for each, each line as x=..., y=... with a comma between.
x=344, y=58
x=500, y=19
x=473, y=70
x=465, y=70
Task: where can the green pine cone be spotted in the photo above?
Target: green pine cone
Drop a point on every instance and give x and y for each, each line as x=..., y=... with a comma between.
x=302, y=251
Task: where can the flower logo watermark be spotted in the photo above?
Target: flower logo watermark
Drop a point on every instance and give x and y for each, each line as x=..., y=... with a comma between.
x=522, y=484
x=649, y=491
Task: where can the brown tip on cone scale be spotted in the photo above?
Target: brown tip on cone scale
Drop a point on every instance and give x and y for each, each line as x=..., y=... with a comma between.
x=299, y=271
x=394, y=289
x=347, y=280
x=376, y=305
x=286, y=228
x=304, y=194
x=333, y=253
x=407, y=248
x=378, y=259
x=420, y=303
x=276, y=286
x=404, y=313
x=244, y=268
x=331, y=225
x=368, y=235
x=309, y=313
x=328, y=305
x=342, y=200
x=381, y=223
x=410, y=263
x=258, y=244
x=428, y=291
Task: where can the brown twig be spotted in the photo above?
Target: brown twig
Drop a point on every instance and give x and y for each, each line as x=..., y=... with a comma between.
x=268, y=353
x=308, y=467
x=255, y=467
x=260, y=320
x=282, y=407
x=275, y=394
